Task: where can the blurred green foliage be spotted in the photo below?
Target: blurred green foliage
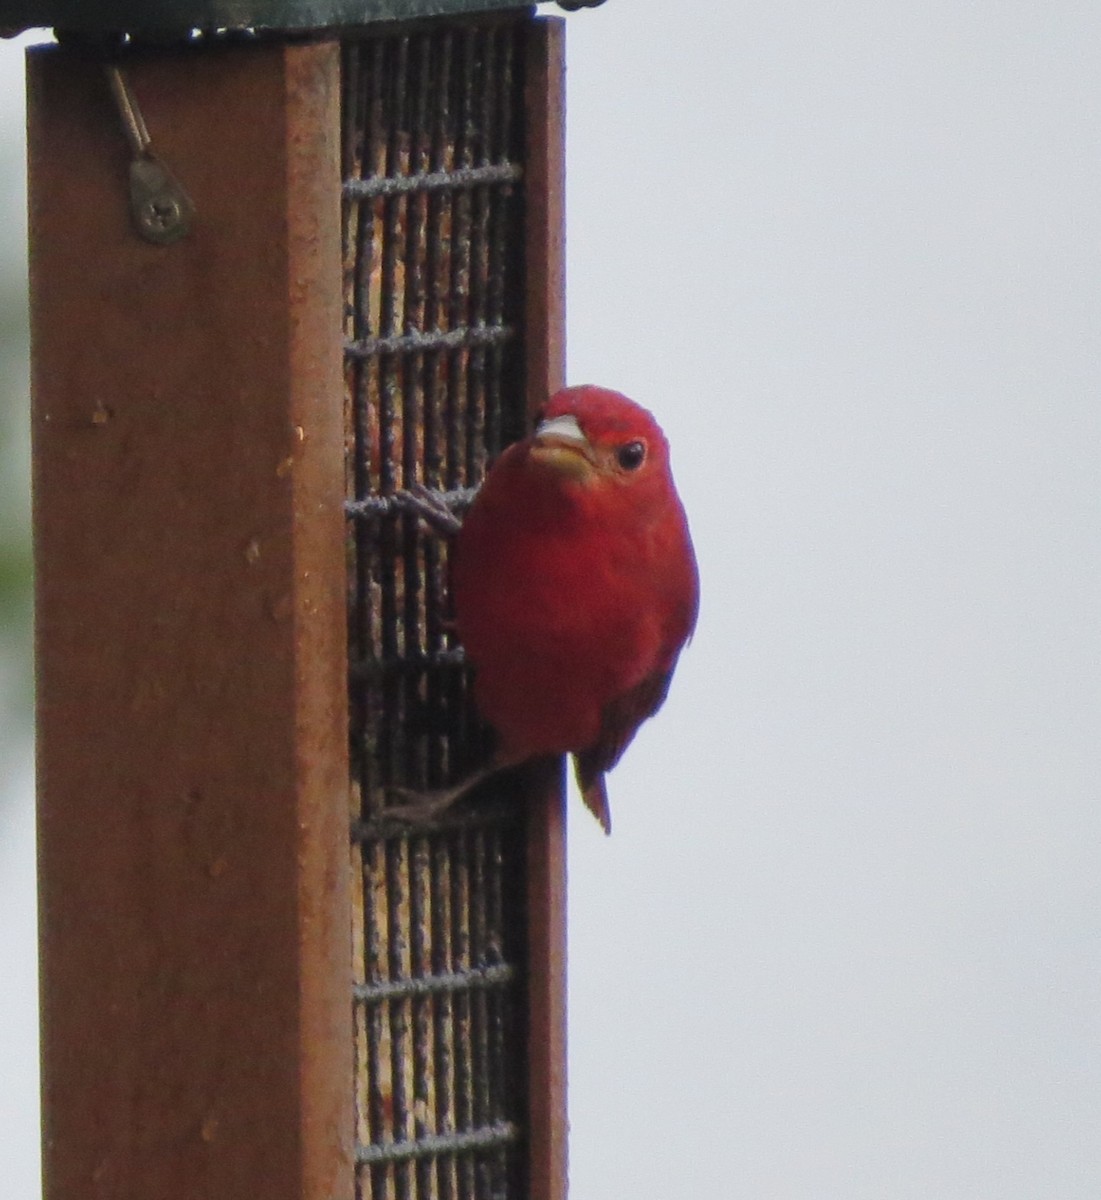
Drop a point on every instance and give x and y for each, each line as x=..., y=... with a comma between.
x=16, y=688
x=15, y=536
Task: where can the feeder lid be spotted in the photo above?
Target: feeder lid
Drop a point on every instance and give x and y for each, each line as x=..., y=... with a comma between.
x=180, y=17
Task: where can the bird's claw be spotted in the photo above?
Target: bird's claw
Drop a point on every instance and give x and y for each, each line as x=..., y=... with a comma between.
x=415, y=807
x=438, y=510
x=421, y=807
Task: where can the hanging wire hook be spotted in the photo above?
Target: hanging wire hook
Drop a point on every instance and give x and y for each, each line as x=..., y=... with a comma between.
x=137, y=133
x=160, y=207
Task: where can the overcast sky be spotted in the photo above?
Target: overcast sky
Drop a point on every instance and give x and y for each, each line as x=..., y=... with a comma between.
x=845, y=943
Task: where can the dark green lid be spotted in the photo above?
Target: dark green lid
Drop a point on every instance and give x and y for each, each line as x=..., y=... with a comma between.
x=181, y=16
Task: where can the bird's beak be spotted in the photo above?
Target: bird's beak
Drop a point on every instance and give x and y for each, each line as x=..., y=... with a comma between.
x=561, y=444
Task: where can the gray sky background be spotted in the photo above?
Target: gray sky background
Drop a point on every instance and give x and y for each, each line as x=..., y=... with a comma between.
x=845, y=943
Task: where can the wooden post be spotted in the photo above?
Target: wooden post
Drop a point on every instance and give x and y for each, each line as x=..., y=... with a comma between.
x=192, y=728
x=545, y=372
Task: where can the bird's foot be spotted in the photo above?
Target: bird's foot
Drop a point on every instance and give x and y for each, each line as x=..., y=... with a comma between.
x=440, y=511
x=419, y=808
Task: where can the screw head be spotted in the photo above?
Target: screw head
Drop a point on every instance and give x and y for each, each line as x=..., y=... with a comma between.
x=160, y=207
x=160, y=215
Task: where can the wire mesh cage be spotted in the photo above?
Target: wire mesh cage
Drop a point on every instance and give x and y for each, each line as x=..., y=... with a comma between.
x=433, y=285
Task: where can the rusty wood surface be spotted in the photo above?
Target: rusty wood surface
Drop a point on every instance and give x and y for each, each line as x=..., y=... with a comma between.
x=188, y=480
x=545, y=373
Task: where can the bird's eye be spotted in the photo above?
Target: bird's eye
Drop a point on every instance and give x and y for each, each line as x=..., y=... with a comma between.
x=631, y=456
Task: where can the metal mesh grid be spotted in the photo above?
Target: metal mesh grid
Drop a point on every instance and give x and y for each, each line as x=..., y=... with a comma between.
x=433, y=259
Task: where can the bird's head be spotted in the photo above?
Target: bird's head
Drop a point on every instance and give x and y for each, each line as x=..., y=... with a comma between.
x=588, y=434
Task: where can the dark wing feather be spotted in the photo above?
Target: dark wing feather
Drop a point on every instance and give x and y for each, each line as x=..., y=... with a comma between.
x=620, y=719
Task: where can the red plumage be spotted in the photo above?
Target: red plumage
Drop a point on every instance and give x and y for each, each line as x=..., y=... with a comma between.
x=575, y=585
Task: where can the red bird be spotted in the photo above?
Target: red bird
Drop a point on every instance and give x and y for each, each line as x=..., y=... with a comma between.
x=575, y=587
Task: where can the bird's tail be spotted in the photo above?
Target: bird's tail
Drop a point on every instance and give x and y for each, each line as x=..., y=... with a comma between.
x=595, y=796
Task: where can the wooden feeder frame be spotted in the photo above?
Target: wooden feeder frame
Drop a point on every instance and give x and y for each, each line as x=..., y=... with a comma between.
x=191, y=612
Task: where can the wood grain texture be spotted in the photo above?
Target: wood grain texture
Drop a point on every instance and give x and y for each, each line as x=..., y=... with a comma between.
x=188, y=481
x=545, y=373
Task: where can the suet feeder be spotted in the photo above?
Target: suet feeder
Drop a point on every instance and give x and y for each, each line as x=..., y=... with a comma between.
x=286, y=258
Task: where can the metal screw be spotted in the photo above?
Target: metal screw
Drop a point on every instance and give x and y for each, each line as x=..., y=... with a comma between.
x=158, y=217
x=160, y=207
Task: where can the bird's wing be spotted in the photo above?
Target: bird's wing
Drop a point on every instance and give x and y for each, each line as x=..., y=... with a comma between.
x=621, y=717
